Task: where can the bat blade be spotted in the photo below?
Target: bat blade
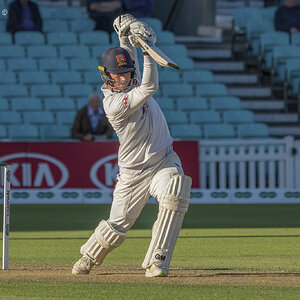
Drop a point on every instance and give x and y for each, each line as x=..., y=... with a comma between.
x=161, y=58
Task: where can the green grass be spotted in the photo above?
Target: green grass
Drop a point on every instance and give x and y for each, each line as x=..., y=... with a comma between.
x=217, y=238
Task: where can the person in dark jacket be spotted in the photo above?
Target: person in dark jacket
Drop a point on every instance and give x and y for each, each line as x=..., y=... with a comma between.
x=24, y=15
x=91, y=122
x=287, y=17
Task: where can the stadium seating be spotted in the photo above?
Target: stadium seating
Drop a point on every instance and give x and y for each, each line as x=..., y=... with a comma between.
x=29, y=38
x=5, y=38
x=53, y=64
x=3, y=133
x=211, y=90
x=4, y=104
x=238, y=116
x=12, y=51
x=186, y=131
x=26, y=104
x=7, y=77
x=55, y=132
x=37, y=77
x=225, y=103
x=59, y=104
x=45, y=90
x=22, y=64
x=13, y=90
x=55, y=26
x=23, y=132
x=191, y=103
x=66, y=117
x=82, y=25
x=38, y=117
x=66, y=77
x=77, y=91
x=10, y=117
x=94, y=38
x=176, y=117
x=177, y=90
x=255, y=130
x=2, y=65
x=73, y=51
x=165, y=38
x=292, y=78
x=62, y=38
x=41, y=51
x=205, y=117
x=165, y=103
x=198, y=76
x=169, y=76
x=218, y=131
x=84, y=64
x=68, y=13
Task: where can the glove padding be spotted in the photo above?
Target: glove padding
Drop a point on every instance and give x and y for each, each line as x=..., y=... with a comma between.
x=121, y=24
x=142, y=30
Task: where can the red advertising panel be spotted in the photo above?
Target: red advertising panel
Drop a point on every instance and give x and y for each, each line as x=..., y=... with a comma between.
x=79, y=165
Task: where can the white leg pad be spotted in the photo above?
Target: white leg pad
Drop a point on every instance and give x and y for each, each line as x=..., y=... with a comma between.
x=173, y=206
x=101, y=242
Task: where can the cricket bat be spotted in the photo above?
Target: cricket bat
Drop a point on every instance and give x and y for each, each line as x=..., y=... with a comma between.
x=157, y=54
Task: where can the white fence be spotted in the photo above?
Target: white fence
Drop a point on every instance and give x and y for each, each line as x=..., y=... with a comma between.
x=257, y=164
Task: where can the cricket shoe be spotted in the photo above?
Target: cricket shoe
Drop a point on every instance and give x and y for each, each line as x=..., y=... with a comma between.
x=155, y=271
x=83, y=266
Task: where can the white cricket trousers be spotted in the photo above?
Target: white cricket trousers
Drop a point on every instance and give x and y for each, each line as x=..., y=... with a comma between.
x=133, y=191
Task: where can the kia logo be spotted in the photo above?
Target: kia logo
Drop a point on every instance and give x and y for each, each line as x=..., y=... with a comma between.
x=35, y=170
x=104, y=172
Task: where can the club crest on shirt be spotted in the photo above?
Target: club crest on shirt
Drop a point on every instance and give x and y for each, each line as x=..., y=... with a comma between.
x=121, y=59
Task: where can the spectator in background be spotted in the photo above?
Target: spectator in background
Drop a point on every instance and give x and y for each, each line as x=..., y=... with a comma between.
x=24, y=15
x=103, y=12
x=91, y=123
x=138, y=8
x=287, y=17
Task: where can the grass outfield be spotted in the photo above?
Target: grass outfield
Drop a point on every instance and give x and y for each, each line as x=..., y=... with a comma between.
x=223, y=252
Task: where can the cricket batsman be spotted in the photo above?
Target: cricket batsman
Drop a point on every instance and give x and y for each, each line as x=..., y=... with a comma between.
x=148, y=166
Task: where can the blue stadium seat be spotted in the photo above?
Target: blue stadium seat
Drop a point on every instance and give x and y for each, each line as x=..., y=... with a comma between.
x=36, y=77
x=242, y=15
x=115, y=40
x=3, y=132
x=165, y=38
x=185, y=63
x=38, y=117
x=165, y=103
x=42, y=51
x=175, y=52
x=176, y=117
x=2, y=26
x=81, y=102
x=26, y=104
x=9, y=117
x=7, y=77
x=177, y=90
x=53, y=64
x=66, y=117
x=218, y=131
x=61, y=38
x=73, y=51
x=2, y=65
x=82, y=25
x=3, y=104
x=45, y=90
x=225, y=103
x=55, y=26
x=13, y=90
x=46, y=13
x=66, y=77
x=186, y=131
x=68, y=13
x=29, y=38
x=5, y=38
x=192, y=103
x=211, y=90
x=12, y=51
x=55, y=132
x=269, y=13
x=84, y=64
x=280, y=55
x=155, y=23
x=269, y=40
x=238, y=116
x=295, y=39
x=255, y=130
x=254, y=30
x=198, y=76
x=22, y=64
x=23, y=132
x=94, y=38
x=78, y=90
x=169, y=76
x=205, y=117
x=59, y=104
x=92, y=77
x=293, y=75
x=97, y=51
